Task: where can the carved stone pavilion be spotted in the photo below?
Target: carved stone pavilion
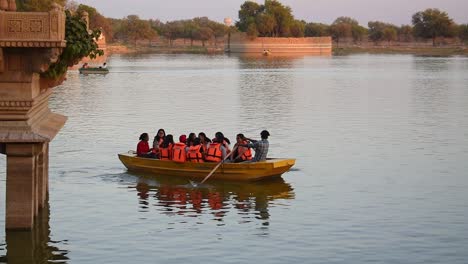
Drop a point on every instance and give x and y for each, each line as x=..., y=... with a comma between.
x=29, y=42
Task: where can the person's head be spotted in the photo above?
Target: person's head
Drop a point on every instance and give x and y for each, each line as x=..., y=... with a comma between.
x=203, y=138
x=160, y=135
x=190, y=139
x=219, y=137
x=264, y=134
x=144, y=137
x=196, y=141
x=183, y=138
x=169, y=139
x=192, y=136
x=240, y=138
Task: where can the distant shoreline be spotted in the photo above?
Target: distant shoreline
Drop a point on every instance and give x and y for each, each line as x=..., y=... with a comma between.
x=347, y=50
x=423, y=51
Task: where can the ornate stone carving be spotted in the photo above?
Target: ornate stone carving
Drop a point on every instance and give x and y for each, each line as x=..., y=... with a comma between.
x=36, y=28
x=35, y=25
x=16, y=103
x=14, y=26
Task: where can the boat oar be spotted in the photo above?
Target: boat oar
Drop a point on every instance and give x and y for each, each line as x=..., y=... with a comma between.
x=215, y=168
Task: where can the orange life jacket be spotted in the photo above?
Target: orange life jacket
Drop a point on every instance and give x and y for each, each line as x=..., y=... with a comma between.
x=156, y=150
x=214, y=153
x=178, y=152
x=245, y=152
x=194, y=154
x=165, y=153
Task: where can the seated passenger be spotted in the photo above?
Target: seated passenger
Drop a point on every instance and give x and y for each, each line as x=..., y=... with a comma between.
x=143, y=149
x=158, y=140
x=179, y=154
x=216, y=151
x=165, y=151
x=241, y=153
x=195, y=152
x=226, y=142
x=204, y=141
x=190, y=139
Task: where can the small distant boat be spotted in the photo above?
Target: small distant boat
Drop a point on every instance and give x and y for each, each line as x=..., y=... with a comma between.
x=97, y=70
x=254, y=171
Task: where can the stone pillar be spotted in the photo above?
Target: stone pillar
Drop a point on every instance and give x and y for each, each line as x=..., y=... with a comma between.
x=21, y=192
x=29, y=43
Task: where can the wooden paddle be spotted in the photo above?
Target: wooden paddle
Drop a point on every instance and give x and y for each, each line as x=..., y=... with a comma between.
x=217, y=166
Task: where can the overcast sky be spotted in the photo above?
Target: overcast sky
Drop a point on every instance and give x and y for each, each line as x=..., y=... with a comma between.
x=325, y=11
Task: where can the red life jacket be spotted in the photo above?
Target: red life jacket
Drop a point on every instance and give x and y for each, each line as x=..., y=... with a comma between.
x=178, y=152
x=194, y=154
x=214, y=153
x=165, y=153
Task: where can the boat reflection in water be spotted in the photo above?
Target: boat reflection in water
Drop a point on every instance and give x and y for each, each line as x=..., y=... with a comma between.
x=34, y=246
x=175, y=196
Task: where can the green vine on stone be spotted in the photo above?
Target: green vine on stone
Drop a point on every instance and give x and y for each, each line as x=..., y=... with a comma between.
x=80, y=43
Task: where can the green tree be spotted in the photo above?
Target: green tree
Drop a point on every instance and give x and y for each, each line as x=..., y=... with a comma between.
x=191, y=30
x=283, y=17
x=157, y=26
x=219, y=30
x=204, y=34
x=247, y=14
x=266, y=23
x=173, y=30
x=80, y=43
x=390, y=34
x=405, y=33
x=97, y=21
x=463, y=32
x=297, y=28
x=134, y=29
x=376, y=29
x=358, y=32
x=432, y=23
x=252, y=31
x=317, y=30
x=38, y=5
x=342, y=28
x=379, y=31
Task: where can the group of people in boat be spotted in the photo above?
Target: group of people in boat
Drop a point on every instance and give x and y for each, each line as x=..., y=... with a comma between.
x=202, y=149
x=86, y=66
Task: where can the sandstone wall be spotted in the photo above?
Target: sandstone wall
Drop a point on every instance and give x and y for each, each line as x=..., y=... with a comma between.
x=240, y=43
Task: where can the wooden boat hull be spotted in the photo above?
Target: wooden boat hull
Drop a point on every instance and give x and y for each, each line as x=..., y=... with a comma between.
x=227, y=171
x=94, y=70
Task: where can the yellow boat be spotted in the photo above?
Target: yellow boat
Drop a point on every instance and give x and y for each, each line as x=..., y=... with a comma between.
x=227, y=171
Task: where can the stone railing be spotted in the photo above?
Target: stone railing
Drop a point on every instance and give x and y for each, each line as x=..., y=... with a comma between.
x=32, y=29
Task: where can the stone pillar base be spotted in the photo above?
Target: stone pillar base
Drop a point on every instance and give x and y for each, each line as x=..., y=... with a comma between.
x=26, y=189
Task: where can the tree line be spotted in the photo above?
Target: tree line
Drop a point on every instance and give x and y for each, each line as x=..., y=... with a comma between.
x=271, y=19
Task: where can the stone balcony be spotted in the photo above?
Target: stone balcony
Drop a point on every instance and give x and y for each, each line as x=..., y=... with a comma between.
x=29, y=43
x=37, y=29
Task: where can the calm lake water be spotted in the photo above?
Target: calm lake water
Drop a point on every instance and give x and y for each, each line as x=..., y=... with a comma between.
x=381, y=144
